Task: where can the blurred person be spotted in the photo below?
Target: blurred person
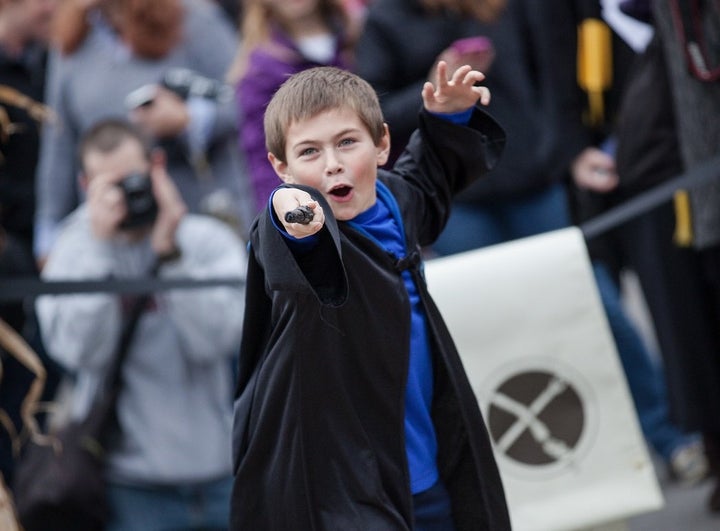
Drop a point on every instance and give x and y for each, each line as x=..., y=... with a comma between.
x=532, y=75
x=106, y=50
x=397, y=63
x=232, y=9
x=605, y=174
x=669, y=125
x=168, y=464
x=279, y=39
x=24, y=32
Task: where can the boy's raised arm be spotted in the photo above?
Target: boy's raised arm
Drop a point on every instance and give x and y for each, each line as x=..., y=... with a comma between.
x=456, y=93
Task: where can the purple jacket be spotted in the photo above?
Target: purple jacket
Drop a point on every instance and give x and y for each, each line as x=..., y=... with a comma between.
x=268, y=67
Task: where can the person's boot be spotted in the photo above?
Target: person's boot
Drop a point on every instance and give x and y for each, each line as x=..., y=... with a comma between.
x=688, y=463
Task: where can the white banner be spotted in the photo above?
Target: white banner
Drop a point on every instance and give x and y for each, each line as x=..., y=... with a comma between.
x=530, y=327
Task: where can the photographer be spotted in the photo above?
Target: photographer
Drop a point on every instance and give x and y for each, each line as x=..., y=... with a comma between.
x=169, y=463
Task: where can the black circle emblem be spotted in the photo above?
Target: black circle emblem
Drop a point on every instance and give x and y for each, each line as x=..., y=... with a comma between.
x=536, y=418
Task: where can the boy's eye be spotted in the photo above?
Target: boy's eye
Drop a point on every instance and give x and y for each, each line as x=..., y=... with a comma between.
x=347, y=141
x=307, y=151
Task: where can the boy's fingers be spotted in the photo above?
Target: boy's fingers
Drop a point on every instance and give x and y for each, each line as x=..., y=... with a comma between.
x=442, y=79
x=484, y=95
x=428, y=92
x=472, y=77
x=460, y=74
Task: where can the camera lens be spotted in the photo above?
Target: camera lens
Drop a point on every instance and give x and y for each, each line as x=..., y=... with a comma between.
x=139, y=199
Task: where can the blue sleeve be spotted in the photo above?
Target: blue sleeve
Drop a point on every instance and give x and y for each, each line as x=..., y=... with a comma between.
x=459, y=118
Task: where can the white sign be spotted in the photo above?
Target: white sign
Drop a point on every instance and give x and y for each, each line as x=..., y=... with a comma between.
x=531, y=330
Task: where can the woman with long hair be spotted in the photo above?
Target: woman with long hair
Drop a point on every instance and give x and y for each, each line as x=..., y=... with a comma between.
x=279, y=39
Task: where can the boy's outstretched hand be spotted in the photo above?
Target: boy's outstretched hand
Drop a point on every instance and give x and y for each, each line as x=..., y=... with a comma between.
x=287, y=200
x=456, y=93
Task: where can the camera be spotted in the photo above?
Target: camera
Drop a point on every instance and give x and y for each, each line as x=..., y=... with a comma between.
x=188, y=83
x=141, y=97
x=185, y=83
x=141, y=205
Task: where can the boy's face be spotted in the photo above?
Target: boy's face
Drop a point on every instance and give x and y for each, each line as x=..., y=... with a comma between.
x=334, y=152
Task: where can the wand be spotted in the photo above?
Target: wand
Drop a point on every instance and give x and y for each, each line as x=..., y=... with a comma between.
x=301, y=214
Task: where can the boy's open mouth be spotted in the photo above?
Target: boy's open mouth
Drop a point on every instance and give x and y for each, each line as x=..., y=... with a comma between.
x=341, y=191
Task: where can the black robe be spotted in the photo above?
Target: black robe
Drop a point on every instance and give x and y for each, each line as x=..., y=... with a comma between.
x=319, y=416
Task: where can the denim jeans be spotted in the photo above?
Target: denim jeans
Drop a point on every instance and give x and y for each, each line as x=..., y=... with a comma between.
x=194, y=507
x=472, y=227
x=644, y=374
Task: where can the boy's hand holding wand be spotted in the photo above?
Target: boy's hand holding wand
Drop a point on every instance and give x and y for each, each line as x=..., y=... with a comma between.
x=286, y=201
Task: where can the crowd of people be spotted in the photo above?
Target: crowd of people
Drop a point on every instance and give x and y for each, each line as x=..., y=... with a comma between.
x=526, y=126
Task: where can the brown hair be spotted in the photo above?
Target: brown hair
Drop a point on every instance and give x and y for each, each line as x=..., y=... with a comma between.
x=150, y=27
x=256, y=22
x=106, y=135
x=313, y=91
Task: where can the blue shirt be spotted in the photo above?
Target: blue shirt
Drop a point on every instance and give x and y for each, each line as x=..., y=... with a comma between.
x=382, y=223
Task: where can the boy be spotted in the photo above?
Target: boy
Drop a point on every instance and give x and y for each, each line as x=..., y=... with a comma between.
x=353, y=411
x=169, y=466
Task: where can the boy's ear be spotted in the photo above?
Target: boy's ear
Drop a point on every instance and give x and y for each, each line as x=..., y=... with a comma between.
x=383, y=147
x=280, y=168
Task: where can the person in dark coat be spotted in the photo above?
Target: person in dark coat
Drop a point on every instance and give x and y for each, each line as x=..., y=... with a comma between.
x=669, y=125
x=538, y=98
x=353, y=410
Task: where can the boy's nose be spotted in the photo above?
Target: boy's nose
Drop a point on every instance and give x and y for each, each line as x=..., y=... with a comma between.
x=332, y=164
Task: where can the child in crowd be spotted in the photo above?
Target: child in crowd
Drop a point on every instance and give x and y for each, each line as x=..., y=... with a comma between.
x=353, y=410
x=280, y=39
